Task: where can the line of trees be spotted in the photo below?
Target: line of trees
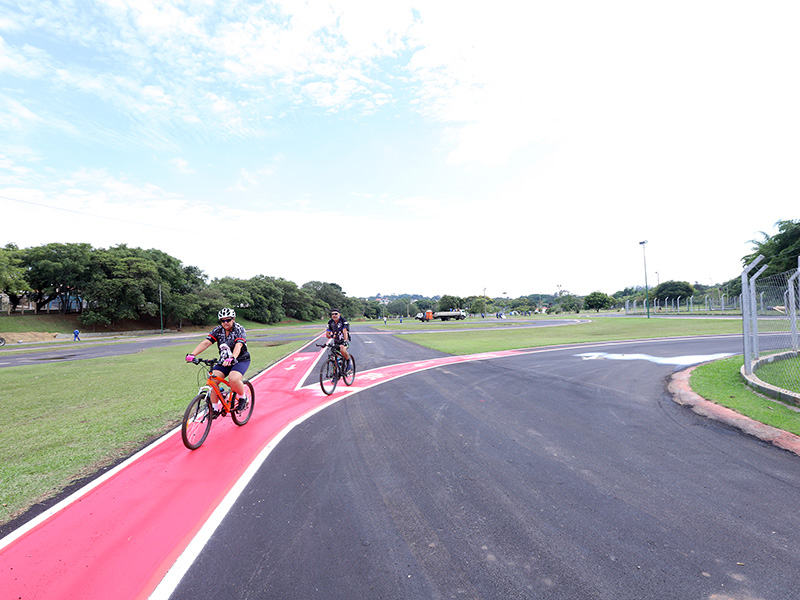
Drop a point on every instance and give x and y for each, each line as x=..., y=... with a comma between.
x=109, y=285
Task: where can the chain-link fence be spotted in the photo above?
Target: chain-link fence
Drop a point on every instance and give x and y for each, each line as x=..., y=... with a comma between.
x=716, y=303
x=769, y=324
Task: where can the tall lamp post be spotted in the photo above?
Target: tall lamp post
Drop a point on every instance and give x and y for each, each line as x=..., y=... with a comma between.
x=646, y=290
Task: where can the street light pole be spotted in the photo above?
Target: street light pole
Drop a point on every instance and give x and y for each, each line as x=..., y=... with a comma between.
x=646, y=290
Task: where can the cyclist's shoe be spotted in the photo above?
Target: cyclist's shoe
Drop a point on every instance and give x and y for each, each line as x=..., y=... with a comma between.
x=215, y=413
x=242, y=405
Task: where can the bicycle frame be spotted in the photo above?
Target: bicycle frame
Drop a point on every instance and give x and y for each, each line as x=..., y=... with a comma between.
x=333, y=351
x=212, y=385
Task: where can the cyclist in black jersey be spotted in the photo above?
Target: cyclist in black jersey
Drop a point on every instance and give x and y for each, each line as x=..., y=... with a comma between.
x=231, y=339
x=339, y=330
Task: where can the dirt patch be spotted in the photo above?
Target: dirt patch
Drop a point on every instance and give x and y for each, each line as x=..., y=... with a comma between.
x=28, y=336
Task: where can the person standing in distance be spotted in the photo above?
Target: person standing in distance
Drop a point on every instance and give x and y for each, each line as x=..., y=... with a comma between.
x=234, y=359
x=339, y=330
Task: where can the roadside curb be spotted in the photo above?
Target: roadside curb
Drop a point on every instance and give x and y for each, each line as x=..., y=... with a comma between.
x=683, y=394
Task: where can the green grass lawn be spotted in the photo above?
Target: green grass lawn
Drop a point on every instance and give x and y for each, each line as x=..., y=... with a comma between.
x=599, y=329
x=721, y=383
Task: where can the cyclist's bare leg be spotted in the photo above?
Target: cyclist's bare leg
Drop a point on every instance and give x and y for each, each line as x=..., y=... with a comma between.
x=235, y=379
x=345, y=354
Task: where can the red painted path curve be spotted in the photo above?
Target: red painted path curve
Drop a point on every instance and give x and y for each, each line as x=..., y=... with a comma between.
x=119, y=537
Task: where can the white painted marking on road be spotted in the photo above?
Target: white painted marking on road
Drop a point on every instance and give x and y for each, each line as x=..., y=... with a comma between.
x=291, y=368
x=372, y=376
x=691, y=359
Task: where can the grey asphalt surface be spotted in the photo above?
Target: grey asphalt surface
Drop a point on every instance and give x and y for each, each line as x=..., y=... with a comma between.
x=538, y=476
x=38, y=353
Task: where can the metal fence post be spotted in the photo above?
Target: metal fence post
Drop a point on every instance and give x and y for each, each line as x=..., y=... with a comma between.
x=754, y=311
x=793, y=306
x=746, y=316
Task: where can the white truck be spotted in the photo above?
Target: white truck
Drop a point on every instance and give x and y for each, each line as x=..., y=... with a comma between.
x=444, y=315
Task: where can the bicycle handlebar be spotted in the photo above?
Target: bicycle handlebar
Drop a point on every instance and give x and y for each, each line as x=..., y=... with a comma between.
x=204, y=361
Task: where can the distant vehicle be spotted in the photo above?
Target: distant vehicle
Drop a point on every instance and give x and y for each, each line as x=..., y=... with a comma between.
x=444, y=315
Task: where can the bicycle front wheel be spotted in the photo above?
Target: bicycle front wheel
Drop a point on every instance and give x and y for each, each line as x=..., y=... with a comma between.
x=244, y=407
x=349, y=371
x=196, y=421
x=2, y=341
x=328, y=376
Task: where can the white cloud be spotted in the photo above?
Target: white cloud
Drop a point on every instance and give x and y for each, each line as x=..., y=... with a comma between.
x=182, y=166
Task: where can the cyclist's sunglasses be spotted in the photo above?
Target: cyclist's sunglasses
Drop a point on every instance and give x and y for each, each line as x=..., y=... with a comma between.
x=225, y=320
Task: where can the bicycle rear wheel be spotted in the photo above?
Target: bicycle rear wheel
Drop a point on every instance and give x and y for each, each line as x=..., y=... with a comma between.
x=241, y=414
x=196, y=421
x=328, y=376
x=349, y=375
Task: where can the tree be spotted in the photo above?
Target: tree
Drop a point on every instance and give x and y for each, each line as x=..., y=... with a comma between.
x=397, y=308
x=424, y=304
x=330, y=294
x=450, y=303
x=266, y=298
x=298, y=303
x=780, y=250
x=672, y=289
x=123, y=285
x=258, y=299
x=57, y=271
x=478, y=305
x=12, y=275
x=372, y=309
x=597, y=301
x=570, y=303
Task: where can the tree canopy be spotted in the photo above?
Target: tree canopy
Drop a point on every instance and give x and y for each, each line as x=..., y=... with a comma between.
x=780, y=250
x=597, y=301
x=672, y=289
x=109, y=285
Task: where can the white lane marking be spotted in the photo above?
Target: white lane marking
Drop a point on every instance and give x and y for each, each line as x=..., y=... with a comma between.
x=691, y=359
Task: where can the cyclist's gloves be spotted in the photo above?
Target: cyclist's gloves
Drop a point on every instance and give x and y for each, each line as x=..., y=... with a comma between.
x=229, y=361
x=190, y=357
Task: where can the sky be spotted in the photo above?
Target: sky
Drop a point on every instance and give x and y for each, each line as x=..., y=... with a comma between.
x=422, y=147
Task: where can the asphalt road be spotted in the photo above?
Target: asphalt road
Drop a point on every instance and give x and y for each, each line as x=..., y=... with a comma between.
x=38, y=353
x=550, y=475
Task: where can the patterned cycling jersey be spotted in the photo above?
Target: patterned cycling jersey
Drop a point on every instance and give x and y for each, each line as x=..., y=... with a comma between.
x=226, y=341
x=337, y=329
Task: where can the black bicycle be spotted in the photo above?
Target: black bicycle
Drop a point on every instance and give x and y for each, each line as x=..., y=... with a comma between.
x=335, y=367
x=2, y=341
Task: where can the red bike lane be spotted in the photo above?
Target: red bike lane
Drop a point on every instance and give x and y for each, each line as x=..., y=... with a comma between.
x=119, y=536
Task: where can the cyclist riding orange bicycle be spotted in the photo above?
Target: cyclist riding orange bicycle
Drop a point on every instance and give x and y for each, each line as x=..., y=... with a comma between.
x=234, y=359
x=339, y=330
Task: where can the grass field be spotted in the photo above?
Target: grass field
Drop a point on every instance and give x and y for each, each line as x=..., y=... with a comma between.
x=508, y=336
x=72, y=419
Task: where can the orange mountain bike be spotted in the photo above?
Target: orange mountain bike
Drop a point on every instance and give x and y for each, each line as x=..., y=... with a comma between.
x=200, y=413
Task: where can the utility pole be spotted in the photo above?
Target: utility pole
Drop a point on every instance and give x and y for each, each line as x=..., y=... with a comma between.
x=646, y=290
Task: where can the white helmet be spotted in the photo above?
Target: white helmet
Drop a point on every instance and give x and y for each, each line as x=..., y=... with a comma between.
x=226, y=313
